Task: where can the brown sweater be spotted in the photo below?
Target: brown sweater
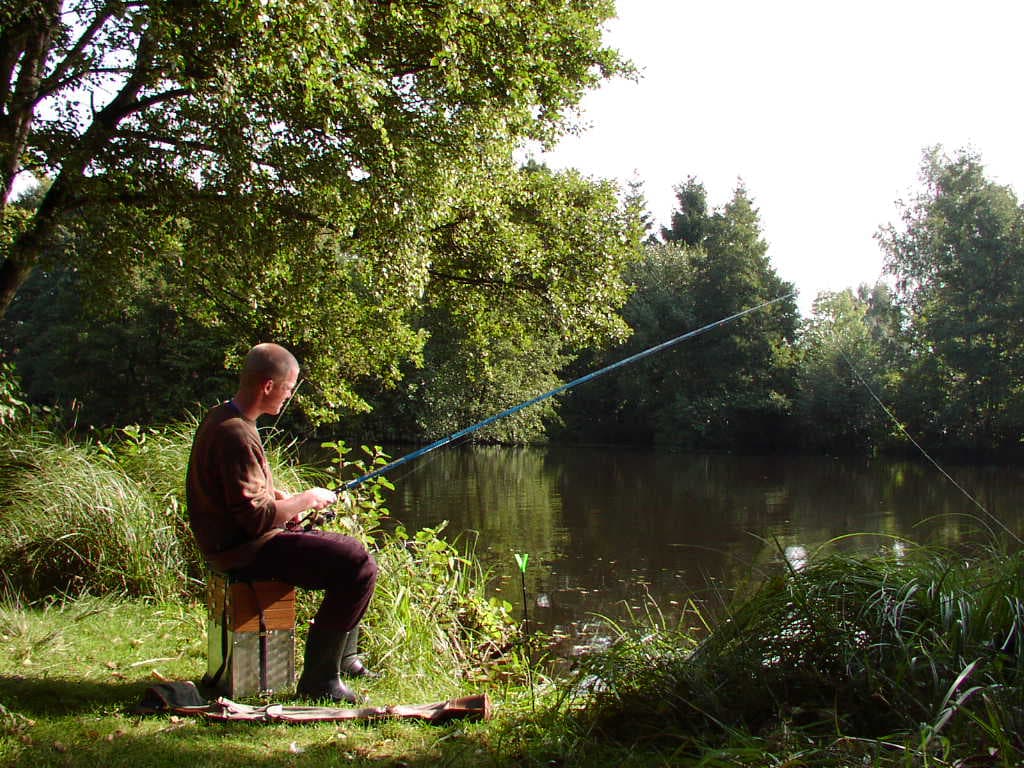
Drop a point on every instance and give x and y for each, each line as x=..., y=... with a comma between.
x=229, y=489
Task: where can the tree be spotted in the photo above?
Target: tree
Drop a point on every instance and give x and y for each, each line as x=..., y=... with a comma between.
x=843, y=360
x=636, y=201
x=690, y=220
x=958, y=261
x=137, y=362
x=730, y=388
x=513, y=271
x=288, y=161
x=629, y=405
x=739, y=383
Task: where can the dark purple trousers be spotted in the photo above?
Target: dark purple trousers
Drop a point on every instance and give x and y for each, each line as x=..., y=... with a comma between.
x=321, y=560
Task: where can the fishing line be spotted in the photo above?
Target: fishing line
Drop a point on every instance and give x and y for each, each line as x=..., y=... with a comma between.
x=557, y=390
x=288, y=401
x=925, y=453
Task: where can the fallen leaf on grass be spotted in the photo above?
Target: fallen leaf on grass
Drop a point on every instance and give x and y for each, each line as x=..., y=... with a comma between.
x=59, y=747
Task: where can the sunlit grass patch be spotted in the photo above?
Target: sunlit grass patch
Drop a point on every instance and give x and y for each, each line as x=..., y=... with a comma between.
x=68, y=707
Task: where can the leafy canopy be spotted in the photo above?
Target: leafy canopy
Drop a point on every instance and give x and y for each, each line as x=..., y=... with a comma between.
x=283, y=163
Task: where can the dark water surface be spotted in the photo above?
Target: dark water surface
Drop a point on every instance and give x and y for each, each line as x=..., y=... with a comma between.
x=612, y=532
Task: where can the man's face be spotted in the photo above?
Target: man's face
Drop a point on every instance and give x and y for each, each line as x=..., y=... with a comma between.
x=279, y=393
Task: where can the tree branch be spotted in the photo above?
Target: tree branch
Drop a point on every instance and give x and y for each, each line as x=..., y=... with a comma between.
x=74, y=56
x=488, y=282
x=171, y=141
x=82, y=75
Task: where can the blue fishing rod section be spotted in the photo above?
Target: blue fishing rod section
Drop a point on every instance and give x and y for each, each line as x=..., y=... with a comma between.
x=556, y=391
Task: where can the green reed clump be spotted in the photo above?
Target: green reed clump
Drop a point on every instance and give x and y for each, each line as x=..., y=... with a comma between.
x=916, y=644
x=75, y=522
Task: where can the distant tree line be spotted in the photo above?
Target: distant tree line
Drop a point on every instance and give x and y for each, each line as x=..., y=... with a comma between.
x=933, y=353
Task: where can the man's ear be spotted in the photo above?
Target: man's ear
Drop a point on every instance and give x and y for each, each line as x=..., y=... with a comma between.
x=268, y=387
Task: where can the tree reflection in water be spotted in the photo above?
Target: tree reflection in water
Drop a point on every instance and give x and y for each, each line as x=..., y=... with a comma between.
x=624, y=533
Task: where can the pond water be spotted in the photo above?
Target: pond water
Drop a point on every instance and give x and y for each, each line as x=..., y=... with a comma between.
x=616, y=533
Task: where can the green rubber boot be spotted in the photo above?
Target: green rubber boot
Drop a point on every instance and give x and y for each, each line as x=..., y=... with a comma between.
x=351, y=664
x=320, y=679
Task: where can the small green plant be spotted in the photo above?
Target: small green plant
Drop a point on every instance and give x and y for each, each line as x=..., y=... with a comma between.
x=12, y=400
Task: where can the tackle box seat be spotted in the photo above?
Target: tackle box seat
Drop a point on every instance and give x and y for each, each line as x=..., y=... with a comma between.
x=250, y=628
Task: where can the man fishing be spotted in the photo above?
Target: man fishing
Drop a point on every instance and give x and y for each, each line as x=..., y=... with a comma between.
x=246, y=526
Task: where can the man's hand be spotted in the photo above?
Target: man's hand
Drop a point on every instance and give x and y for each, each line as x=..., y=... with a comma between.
x=291, y=506
x=322, y=497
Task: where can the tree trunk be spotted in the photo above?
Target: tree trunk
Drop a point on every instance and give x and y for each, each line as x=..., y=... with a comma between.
x=24, y=47
x=24, y=252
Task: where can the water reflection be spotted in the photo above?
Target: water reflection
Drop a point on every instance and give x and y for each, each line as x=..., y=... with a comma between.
x=618, y=532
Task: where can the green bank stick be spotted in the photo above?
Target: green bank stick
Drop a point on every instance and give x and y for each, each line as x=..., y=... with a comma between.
x=521, y=561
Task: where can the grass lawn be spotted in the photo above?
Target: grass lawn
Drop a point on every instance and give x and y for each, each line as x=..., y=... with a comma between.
x=70, y=673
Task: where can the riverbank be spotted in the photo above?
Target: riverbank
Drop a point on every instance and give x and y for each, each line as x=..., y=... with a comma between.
x=72, y=669
x=910, y=656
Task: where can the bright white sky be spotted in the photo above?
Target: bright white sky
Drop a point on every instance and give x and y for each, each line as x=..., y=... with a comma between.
x=822, y=108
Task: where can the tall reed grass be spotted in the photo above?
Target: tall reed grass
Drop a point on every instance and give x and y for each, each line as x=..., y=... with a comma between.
x=75, y=522
x=916, y=646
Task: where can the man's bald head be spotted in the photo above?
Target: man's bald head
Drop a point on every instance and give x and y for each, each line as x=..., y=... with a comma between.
x=267, y=361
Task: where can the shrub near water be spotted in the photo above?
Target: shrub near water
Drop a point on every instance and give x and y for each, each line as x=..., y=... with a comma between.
x=430, y=616
x=76, y=522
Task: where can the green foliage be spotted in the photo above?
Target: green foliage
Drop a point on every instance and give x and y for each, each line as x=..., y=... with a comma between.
x=12, y=398
x=131, y=358
x=846, y=354
x=430, y=614
x=690, y=220
x=915, y=646
x=731, y=388
x=281, y=167
x=631, y=405
x=957, y=259
x=76, y=523
x=526, y=270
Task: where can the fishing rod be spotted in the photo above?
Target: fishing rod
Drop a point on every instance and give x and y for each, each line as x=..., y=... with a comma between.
x=557, y=390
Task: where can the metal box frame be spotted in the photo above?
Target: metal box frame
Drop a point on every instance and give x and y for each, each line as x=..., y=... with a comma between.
x=250, y=636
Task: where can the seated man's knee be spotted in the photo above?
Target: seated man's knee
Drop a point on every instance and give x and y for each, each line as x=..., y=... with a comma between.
x=368, y=572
